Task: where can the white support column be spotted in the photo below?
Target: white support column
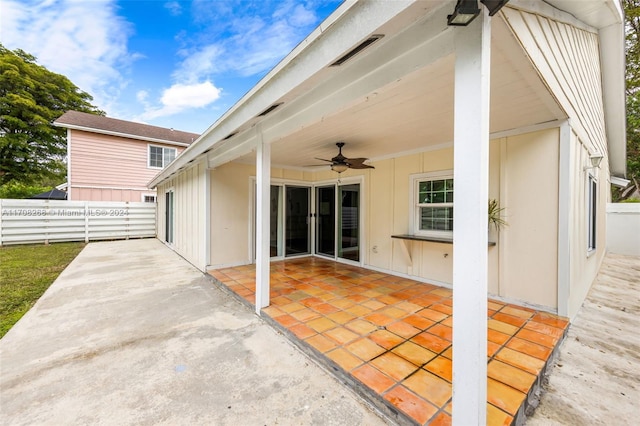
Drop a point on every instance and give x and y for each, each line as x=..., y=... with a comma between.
x=206, y=188
x=263, y=189
x=470, y=234
x=564, y=214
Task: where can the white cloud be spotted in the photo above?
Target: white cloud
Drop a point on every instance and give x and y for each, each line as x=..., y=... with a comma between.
x=142, y=96
x=180, y=97
x=243, y=39
x=201, y=63
x=193, y=95
x=83, y=40
x=173, y=7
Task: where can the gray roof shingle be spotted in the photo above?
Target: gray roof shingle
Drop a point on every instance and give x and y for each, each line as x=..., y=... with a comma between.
x=100, y=124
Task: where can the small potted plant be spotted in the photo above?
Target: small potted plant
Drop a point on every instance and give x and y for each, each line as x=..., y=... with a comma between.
x=496, y=220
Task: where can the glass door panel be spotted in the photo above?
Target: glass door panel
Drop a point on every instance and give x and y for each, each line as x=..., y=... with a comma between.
x=276, y=228
x=349, y=222
x=297, y=220
x=326, y=220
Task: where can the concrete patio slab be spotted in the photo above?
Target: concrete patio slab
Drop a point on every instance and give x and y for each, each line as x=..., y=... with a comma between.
x=596, y=379
x=130, y=333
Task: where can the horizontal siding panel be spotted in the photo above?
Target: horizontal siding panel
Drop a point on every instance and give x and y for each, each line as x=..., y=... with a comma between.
x=104, y=160
x=39, y=221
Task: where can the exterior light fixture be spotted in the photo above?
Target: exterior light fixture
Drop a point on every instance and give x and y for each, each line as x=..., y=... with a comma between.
x=494, y=6
x=339, y=167
x=595, y=160
x=465, y=12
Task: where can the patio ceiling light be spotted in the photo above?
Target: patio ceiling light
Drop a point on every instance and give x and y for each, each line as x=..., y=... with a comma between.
x=465, y=12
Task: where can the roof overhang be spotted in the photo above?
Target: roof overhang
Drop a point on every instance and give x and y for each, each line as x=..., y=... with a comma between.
x=366, y=101
x=118, y=134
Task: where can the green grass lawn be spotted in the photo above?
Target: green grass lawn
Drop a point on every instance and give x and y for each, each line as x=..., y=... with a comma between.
x=25, y=273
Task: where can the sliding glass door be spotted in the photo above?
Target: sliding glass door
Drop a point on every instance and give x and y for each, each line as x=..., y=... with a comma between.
x=349, y=222
x=338, y=221
x=326, y=220
x=297, y=215
x=276, y=230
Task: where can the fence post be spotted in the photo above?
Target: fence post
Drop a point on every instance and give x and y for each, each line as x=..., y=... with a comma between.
x=1, y=214
x=86, y=222
x=46, y=223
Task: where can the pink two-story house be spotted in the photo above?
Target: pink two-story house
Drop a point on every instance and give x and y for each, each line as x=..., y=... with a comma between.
x=112, y=160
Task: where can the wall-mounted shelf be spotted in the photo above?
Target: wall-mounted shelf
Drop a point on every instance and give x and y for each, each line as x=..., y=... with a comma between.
x=407, y=237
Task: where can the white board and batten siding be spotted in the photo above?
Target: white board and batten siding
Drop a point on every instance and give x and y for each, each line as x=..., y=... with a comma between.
x=190, y=198
x=567, y=57
x=48, y=221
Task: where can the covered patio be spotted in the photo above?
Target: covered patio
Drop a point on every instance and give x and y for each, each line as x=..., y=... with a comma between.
x=448, y=119
x=390, y=338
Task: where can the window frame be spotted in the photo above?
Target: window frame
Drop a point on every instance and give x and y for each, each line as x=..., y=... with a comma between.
x=145, y=195
x=415, y=207
x=163, y=148
x=592, y=213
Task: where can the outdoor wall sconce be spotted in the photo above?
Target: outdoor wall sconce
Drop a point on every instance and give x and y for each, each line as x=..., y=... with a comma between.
x=467, y=10
x=339, y=167
x=595, y=160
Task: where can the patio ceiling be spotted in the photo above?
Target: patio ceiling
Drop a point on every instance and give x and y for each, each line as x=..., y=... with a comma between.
x=396, y=95
x=415, y=112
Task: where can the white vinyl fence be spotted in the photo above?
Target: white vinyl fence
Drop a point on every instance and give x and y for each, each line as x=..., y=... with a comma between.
x=45, y=221
x=623, y=228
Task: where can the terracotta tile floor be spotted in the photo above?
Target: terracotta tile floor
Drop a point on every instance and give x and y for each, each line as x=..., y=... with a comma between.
x=393, y=334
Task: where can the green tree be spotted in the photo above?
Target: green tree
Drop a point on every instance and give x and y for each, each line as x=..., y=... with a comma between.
x=32, y=150
x=632, y=27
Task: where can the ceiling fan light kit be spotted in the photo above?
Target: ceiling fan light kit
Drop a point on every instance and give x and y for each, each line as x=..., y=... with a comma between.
x=340, y=163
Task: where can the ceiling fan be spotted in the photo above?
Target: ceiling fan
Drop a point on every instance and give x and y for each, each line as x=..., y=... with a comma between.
x=340, y=163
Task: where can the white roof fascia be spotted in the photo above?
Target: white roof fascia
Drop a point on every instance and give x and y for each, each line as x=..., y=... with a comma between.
x=612, y=64
x=594, y=13
x=616, y=181
x=548, y=10
x=351, y=23
x=122, y=135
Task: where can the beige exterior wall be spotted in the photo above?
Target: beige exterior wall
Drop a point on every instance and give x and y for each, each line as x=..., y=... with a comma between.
x=231, y=214
x=110, y=168
x=529, y=244
x=523, y=177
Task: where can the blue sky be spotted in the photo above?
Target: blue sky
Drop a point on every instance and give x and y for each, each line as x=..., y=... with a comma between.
x=169, y=63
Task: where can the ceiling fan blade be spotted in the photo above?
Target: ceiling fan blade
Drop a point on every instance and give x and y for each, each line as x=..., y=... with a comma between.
x=358, y=163
x=316, y=165
x=322, y=159
x=356, y=160
x=360, y=166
